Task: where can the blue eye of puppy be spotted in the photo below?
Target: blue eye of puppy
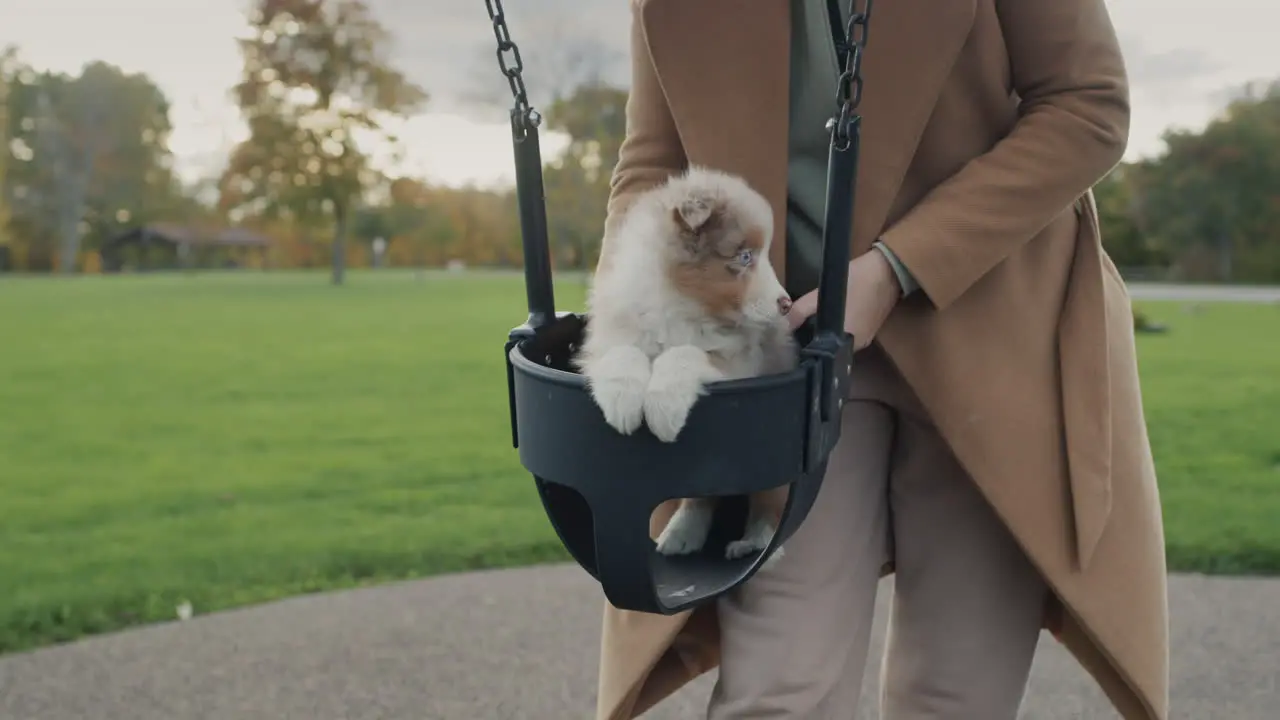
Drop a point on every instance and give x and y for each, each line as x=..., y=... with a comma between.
x=744, y=257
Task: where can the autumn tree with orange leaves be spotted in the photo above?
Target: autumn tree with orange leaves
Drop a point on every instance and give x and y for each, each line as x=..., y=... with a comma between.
x=316, y=92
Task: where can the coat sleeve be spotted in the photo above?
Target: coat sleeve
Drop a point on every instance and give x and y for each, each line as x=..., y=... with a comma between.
x=1072, y=129
x=651, y=151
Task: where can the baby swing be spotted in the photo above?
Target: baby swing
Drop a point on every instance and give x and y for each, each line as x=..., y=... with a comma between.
x=599, y=487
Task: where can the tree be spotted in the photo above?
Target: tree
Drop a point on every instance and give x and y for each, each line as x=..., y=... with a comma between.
x=415, y=217
x=567, y=73
x=1122, y=236
x=131, y=181
x=8, y=58
x=407, y=217
x=315, y=82
x=577, y=181
x=1212, y=199
x=87, y=154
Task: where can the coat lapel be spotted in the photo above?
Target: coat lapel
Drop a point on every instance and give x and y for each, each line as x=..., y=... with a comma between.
x=725, y=68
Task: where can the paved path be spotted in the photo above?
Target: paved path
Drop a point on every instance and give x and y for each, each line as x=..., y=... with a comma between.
x=521, y=645
x=1143, y=290
x=1204, y=293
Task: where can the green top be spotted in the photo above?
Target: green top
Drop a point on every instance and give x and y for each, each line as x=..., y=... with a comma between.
x=814, y=71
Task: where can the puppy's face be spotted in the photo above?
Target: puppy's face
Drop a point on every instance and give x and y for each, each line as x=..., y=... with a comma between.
x=718, y=258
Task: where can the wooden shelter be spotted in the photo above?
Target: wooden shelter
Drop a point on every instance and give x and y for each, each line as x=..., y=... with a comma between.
x=171, y=246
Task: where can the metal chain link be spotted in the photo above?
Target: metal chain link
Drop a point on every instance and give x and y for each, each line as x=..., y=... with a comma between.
x=523, y=116
x=849, y=84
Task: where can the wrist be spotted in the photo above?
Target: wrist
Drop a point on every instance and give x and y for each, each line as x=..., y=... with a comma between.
x=906, y=283
x=885, y=276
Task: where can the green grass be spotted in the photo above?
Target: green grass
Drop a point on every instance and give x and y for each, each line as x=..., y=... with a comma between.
x=1212, y=396
x=227, y=439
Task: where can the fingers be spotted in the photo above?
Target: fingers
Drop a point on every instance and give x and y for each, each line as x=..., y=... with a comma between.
x=804, y=306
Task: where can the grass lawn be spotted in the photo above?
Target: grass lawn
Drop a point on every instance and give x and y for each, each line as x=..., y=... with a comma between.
x=232, y=438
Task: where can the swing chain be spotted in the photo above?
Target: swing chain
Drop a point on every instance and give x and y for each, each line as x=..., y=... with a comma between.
x=849, y=84
x=523, y=117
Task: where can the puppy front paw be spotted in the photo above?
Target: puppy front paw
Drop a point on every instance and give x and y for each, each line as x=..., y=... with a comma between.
x=667, y=408
x=677, y=381
x=688, y=528
x=618, y=381
x=758, y=535
x=622, y=403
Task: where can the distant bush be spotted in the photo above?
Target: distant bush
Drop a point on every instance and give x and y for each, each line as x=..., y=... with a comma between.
x=1143, y=324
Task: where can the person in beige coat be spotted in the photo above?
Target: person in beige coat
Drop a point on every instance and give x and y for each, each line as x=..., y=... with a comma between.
x=994, y=455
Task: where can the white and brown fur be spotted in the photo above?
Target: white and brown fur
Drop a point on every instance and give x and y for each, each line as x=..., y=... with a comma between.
x=689, y=298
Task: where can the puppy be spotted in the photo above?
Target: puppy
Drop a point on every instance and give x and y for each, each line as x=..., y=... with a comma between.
x=689, y=298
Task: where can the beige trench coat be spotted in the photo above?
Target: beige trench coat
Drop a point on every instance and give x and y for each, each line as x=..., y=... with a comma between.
x=1021, y=345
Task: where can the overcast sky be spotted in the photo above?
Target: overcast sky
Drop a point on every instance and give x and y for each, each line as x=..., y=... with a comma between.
x=1183, y=60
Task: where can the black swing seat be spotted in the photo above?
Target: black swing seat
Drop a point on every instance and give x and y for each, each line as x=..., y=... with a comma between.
x=600, y=487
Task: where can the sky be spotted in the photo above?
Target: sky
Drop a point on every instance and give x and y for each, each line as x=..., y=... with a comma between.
x=1183, y=61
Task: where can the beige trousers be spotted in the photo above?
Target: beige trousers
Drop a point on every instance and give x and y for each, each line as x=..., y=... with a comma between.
x=967, y=606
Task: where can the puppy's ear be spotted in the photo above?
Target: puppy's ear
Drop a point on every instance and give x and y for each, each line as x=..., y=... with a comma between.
x=697, y=219
x=697, y=215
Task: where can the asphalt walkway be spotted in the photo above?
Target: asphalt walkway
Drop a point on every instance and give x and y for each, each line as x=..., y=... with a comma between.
x=522, y=645
x=1205, y=293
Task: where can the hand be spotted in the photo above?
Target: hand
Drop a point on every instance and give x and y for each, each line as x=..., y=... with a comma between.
x=873, y=292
